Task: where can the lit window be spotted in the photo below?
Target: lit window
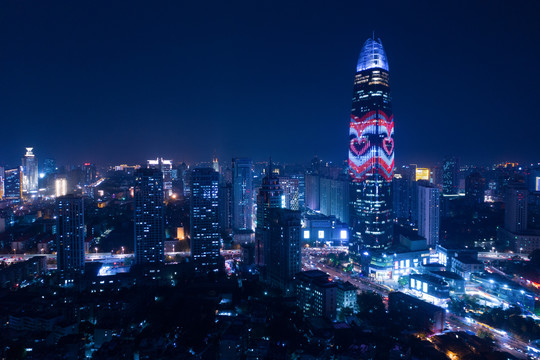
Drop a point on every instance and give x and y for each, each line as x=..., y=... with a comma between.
x=412, y=283
x=306, y=234
x=424, y=287
x=321, y=234
x=343, y=234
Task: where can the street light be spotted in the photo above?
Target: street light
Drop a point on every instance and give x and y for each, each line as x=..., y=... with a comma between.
x=95, y=249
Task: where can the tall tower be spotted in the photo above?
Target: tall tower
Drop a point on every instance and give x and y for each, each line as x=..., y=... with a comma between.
x=371, y=151
x=269, y=197
x=242, y=194
x=205, y=236
x=515, y=212
x=70, y=236
x=149, y=217
x=428, y=212
x=30, y=172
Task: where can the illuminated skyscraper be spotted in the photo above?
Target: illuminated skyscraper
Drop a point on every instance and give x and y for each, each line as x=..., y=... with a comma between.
x=428, y=212
x=371, y=151
x=165, y=166
x=30, y=172
x=205, y=236
x=70, y=235
x=450, y=176
x=149, y=217
x=13, y=184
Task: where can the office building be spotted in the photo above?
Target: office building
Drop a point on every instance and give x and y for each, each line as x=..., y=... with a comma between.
x=49, y=166
x=29, y=173
x=205, y=236
x=149, y=217
x=242, y=183
x=60, y=187
x=515, y=213
x=450, y=176
x=70, y=236
x=165, y=166
x=428, y=213
x=415, y=314
x=334, y=197
x=283, y=244
x=13, y=184
x=475, y=187
x=291, y=193
x=312, y=183
x=403, y=191
x=89, y=173
x=321, y=230
x=371, y=152
x=269, y=197
x=225, y=195
x=316, y=295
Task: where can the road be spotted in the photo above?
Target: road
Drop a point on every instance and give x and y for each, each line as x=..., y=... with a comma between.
x=506, y=342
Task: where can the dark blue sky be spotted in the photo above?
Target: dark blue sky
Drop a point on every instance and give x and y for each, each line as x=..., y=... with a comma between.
x=122, y=81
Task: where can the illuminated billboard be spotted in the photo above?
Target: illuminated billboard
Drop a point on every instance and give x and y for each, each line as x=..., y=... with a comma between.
x=537, y=187
x=371, y=148
x=422, y=174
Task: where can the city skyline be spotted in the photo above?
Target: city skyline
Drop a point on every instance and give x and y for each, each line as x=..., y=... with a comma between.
x=117, y=72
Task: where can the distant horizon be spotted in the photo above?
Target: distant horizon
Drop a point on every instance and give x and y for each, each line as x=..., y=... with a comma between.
x=109, y=82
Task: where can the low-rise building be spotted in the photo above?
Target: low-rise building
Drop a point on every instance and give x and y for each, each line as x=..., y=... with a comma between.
x=464, y=266
x=346, y=296
x=316, y=294
x=431, y=288
x=415, y=314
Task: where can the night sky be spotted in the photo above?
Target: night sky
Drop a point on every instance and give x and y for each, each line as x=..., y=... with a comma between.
x=123, y=81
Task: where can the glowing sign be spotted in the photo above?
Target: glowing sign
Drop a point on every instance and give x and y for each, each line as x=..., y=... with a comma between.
x=422, y=174
x=306, y=234
x=537, y=187
x=371, y=148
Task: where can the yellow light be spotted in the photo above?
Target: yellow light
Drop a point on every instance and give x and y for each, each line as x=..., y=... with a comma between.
x=422, y=174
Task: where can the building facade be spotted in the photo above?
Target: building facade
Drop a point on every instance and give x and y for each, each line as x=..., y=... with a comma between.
x=149, y=217
x=429, y=213
x=283, y=255
x=70, y=235
x=269, y=197
x=371, y=151
x=30, y=173
x=205, y=236
x=242, y=183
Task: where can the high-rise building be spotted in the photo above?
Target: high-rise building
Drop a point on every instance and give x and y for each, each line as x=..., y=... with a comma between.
x=49, y=166
x=475, y=187
x=13, y=184
x=301, y=190
x=334, y=197
x=515, y=213
x=312, y=183
x=291, y=193
x=403, y=191
x=242, y=179
x=30, y=172
x=428, y=212
x=165, y=166
x=70, y=234
x=60, y=187
x=225, y=195
x=89, y=173
x=205, y=236
x=269, y=197
x=371, y=151
x=284, y=258
x=149, y=217
x=450, y=176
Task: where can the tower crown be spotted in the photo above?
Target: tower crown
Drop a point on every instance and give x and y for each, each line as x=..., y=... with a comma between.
x=372, y=56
